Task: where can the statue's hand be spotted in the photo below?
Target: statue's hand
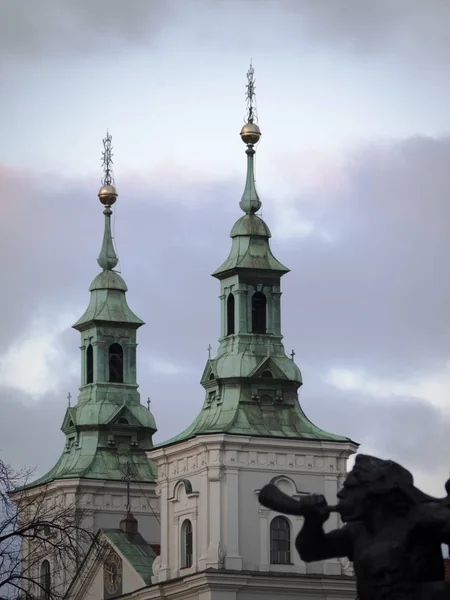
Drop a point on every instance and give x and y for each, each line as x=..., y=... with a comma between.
x=315, y=507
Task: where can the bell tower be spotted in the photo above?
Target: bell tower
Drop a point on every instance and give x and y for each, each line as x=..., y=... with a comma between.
x=250, y=281
x=251, y=428
x=108, y=327
x=103, y=470
x=108, y=430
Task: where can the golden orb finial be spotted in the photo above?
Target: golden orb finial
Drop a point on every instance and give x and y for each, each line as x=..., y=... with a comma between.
x=250, y=134
x=107, y=194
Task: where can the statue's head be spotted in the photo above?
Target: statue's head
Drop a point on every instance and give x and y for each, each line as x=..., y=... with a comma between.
x=375, y=480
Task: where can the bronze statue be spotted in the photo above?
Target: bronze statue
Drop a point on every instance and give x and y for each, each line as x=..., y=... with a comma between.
x=392, y=531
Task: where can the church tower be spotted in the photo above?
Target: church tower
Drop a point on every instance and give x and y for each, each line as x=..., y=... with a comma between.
x=103, y=469
x=251, y=430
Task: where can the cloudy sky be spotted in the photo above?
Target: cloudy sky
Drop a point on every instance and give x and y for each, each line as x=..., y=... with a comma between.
x=353, y=170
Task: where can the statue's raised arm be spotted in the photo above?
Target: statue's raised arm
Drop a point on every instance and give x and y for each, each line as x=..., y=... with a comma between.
x=392, y=531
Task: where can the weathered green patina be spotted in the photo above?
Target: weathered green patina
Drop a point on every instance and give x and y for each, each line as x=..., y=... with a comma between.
x=250, y=249
x=135, y=549
x=108, y=303
x=108, y=431
x=252, y=385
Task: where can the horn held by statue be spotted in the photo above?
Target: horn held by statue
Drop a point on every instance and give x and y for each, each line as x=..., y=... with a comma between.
x=273, y=498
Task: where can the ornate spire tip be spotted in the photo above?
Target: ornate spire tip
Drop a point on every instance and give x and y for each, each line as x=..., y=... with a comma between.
x=250, y=95
x=107, y=193
x=250, y=133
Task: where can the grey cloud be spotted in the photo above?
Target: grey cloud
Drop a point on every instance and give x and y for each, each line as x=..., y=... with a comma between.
x=408, y=430
x=28, y=29
x=30, y=433
x=379, y=294
x=412, y=27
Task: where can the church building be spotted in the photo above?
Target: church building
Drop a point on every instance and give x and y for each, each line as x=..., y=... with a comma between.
x=182, y=519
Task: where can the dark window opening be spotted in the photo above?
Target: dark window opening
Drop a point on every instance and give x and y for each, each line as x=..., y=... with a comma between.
x=70, y=423
x=89, y=364
x=280, y=541
x=45, y=580
x=212, y=376
x=266, y=374
x=123, y=421
x=230, y=314
x=259, y=304
x=186, y=544
x=116, y=363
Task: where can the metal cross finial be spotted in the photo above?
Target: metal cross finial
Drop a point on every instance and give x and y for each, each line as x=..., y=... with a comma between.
x=107, y=154
x=251, y=116
x=69, y=396
x=292, y=355
x=209, y=351
x=148, y=403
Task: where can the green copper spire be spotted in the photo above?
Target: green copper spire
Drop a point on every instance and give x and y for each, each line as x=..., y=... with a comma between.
x=108, y=430
x=107, y=195
x=107, y=258
x=251, y=385
x=108, y=300
x=250, y=234
x=250, y=134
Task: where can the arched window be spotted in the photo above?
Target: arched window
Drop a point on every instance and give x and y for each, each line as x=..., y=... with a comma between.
x=45, y=580
x=186, y=544
x=116, y=363
x=280, y=541
x=230, y=314
x=89, y=364
x=267, y=374
x=212, y=376
x=259, y=303
x=123, y=421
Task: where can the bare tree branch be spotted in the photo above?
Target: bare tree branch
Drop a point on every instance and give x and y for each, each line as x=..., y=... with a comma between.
x=42, y=538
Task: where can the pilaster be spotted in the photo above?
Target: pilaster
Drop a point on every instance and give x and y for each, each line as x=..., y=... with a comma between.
x=264, y=559
x=233, y=559
x=241, y=302
x=130, y=373
x=164, y=570
x=83, y=363
x=223, y=313
x=275, y=295
x=99, y=347
x=215, y=510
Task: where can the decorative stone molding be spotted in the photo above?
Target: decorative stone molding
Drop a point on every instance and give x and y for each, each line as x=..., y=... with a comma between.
x=183, y=488
x=288, y=461
x=214, y=473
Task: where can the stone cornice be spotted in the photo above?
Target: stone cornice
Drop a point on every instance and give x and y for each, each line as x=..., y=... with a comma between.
x=219, y=453
x=262, y=444
x=271, y=584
